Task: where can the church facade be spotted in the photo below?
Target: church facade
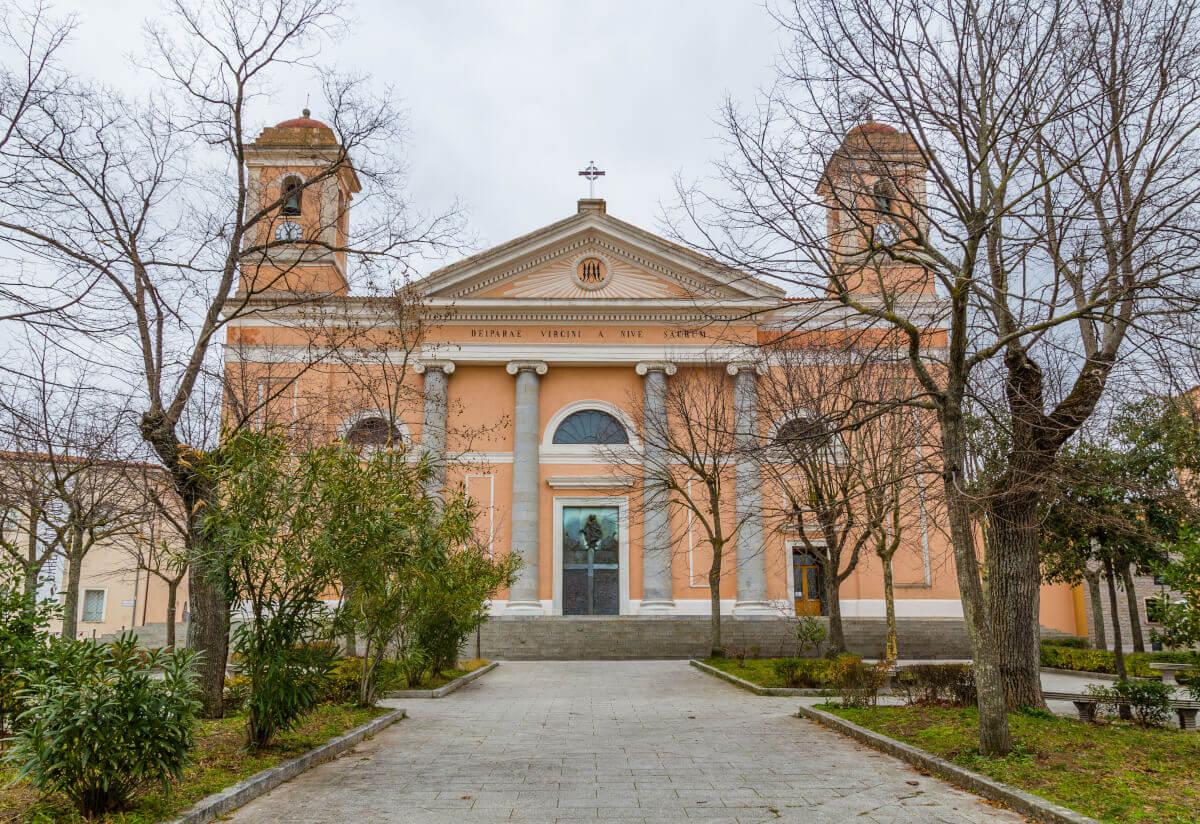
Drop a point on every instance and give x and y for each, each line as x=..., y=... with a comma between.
x=527, y=372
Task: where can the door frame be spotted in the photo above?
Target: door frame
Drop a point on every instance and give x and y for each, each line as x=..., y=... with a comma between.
x=621, y=503
x=791, y=546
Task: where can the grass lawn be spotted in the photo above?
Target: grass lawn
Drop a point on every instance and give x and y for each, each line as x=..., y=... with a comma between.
x=218, y=762
x=445, y=676
x=755, y=670
x=1116, y=772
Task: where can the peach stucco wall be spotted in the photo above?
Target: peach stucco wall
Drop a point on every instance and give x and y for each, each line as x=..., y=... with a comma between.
x=480, y=445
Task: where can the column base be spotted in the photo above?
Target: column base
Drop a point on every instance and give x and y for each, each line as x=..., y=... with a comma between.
x=754, y=609
x=664, y=606
x=524, y=608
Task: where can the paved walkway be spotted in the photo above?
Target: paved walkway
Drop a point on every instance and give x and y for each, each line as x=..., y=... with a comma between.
x=653, y=742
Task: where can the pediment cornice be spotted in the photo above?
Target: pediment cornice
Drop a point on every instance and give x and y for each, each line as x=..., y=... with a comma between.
x=700, y=276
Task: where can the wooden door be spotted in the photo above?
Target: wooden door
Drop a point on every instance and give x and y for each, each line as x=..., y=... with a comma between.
x=808, y=589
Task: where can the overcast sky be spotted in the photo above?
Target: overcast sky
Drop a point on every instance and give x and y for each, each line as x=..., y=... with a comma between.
x=508, y=99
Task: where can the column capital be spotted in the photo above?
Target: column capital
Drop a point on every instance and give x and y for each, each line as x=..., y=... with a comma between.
x=666, y=367
x=515, y=367
x=756, y=367
x=445, y=366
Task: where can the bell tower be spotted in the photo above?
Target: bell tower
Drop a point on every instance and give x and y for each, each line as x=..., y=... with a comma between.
x=876, y=205
x=301, y=179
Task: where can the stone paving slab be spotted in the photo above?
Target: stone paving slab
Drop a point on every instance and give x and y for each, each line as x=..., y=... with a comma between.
x=556, y=742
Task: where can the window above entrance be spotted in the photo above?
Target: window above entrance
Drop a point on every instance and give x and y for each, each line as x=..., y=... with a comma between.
x=590, y=426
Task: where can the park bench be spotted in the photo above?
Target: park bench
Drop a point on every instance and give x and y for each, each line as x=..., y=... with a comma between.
x=1169, y=671
x=1085, y=705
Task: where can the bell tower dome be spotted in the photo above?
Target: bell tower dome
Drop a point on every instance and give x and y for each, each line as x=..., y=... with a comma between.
x=876, y=205
x=300, y=185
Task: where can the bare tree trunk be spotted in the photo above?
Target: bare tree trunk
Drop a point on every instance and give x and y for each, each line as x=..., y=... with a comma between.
x=70, y=626
x=1013, y=593
x=208, y=631
x=172, y=592
x=889, y=606
x=837, y=632
x=994, y=735
x=1135, y=613
x=30, y=583
x=349, y=642
x=1098, y=634
x=33, y=568
x=208, y=580
x=1118, y=644
x=714, y=586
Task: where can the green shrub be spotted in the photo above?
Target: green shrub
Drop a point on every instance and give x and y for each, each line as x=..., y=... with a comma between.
x=857, y=684
x=938, y=685
x=1150, y=700
x=787, y=670
x=811, y=632
x=806, y=673
x=344, y=682
x=1070, y=642
x=23, y=637
x=100, y=726
x=286, y=675
x=235, y=693
x=1101, y=660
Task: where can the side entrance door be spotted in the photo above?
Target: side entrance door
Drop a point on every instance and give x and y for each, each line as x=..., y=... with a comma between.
x=591, y=553
x=806, y=577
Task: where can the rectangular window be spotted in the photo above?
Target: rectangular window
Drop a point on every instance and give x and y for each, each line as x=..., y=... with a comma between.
x=1154, y=610
x=93, y=606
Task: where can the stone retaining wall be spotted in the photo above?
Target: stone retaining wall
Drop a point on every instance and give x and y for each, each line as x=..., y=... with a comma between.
x=616, y=638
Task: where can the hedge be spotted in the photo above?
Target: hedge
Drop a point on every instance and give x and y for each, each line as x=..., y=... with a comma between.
x=1102, y=660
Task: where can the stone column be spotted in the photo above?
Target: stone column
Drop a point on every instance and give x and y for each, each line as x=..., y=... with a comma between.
x=524, y=598
x=433, y=419
x=751, y=563
x=656, y=518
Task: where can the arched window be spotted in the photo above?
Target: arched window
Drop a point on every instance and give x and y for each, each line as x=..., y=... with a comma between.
x=372, y=431
x=590, y=426
x=884, y=194
x=291, y=190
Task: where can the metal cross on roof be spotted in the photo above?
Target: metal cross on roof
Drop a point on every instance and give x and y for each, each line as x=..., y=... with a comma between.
x=591, y=173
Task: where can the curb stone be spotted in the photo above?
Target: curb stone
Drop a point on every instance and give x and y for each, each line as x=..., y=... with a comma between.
x=229, y=799
x=1098, y=676
x=443, y=691
x=1022, y=802
x=750, y=686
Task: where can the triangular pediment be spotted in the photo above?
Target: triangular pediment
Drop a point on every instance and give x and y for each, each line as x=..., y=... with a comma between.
x=593, y=256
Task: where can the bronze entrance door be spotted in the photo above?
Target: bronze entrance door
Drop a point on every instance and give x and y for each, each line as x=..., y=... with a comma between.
x=591, y=550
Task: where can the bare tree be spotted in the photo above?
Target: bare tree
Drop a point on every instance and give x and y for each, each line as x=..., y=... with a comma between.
x=154, y=198
x=842, y=450
x=66, y=456
x=690, y=451
x=1015, y=211
x=158, y=546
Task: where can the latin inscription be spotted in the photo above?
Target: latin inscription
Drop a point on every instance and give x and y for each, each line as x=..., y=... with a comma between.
x=498, y=334
x=578, y=334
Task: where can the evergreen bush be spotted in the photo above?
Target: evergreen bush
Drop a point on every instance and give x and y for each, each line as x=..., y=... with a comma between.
x=100, y=726
x=805, y=673
x=1150, y=700
x=23, y=637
